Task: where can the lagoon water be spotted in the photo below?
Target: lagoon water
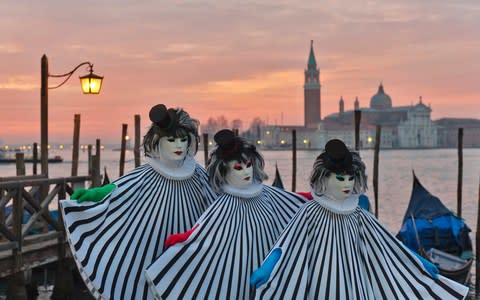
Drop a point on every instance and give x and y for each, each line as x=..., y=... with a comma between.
x=437, y=170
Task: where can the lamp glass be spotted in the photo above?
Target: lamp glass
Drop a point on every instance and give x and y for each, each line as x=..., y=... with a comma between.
x=91, y=84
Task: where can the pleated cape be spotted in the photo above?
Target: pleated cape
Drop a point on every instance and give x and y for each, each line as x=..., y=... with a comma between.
x=114, y=241
x=231, y=239
x=348, y=255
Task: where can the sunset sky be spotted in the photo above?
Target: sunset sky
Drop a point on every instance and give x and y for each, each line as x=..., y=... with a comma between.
x=240, y=59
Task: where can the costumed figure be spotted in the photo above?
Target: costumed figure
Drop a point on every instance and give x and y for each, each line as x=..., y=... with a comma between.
x=214, y=260
x=333, y=249
x=116, y=231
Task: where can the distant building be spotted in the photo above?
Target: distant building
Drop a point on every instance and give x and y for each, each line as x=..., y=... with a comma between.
x=448, y=132
x=401, y=127
x=312, y=99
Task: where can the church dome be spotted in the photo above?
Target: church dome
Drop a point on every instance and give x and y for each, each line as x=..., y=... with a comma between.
x=380, y=100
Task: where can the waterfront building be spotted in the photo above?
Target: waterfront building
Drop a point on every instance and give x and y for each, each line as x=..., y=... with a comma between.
x=402, y=127
x=312, y=96
x=448, y=132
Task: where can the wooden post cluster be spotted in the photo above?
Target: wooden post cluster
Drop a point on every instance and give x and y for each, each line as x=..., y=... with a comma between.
x=27, y=249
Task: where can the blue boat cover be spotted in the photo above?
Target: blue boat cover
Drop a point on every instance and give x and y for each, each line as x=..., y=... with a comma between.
x=26, y=217
x=436, y=225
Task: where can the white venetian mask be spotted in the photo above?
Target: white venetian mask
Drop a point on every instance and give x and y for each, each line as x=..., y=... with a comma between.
x=173, y=148
x=239, y=174
x=340, y=186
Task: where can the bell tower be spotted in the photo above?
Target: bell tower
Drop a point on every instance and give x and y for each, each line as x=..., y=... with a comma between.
x=312, y=107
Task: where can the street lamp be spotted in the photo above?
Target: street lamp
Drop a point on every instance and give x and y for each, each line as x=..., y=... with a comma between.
x=91, y=84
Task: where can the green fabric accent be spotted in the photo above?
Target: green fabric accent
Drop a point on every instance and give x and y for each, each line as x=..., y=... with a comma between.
x=93, y=194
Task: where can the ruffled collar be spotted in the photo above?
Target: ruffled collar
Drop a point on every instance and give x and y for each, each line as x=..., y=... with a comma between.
x=251, y=191
x=184, y=171
x=337, y=206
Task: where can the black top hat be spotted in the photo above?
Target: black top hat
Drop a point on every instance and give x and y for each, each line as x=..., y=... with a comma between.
x=231, y=147
x=164, y=118
x=337, y=158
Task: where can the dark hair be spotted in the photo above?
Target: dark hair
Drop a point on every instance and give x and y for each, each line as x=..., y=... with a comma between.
x=338, y=159
x=171, y=122
x=230, y=147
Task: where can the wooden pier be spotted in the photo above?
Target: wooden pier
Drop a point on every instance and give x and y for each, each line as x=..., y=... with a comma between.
x=30, y=235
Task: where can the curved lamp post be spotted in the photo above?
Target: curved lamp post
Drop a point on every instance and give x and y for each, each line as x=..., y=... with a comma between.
x=91, y=84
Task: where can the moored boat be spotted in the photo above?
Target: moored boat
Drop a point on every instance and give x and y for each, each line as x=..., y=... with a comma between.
x=55, y=159
x=435, y=232
x=277, y=182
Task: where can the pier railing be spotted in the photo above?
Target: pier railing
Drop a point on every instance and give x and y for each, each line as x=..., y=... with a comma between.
x=31, y=234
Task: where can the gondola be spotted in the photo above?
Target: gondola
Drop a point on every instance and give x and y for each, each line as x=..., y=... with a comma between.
x=277, y=182
x=433, y=231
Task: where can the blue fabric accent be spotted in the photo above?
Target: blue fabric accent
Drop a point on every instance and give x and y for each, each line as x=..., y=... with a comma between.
x=261, y=275
x=363, y=202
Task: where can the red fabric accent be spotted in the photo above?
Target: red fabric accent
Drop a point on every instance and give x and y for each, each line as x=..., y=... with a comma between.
x=179, y=237
x=307, y=195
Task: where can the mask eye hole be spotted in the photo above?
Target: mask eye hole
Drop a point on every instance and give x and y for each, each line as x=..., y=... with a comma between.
x=171, y=139
x=249, y=163
x=237, y=166
x=351, y=178
x=340, y=178
x=184, y=139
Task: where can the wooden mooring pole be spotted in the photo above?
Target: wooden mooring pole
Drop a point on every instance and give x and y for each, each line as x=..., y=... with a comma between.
x=460, y=172
x=375, y=166
x=44, y=115
x=294, y=160
x=16, y=282
x=96, y=163
x=205, y=148
x=20, y=162
x=477, y=249
x=123, y=149
x=76, y=144
x=136, y=146
x=358, y=117
x=90, y=164
x=35, y=158
x=64, y=282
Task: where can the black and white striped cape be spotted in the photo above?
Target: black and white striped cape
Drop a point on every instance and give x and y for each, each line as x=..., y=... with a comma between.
x=230, y=241
x=115, y=240
x=348, y=255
